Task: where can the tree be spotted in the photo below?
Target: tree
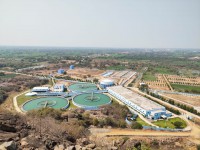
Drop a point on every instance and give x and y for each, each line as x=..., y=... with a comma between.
x=95, y=80
x=95, y=121
x=130, y=85
x=178, y=124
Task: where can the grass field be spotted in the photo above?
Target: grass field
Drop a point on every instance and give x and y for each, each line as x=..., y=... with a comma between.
x=22, y=98
x=162, y=70
x=148, y=76
x=186, y=88
x=71, y=105
x=143, y=123
x=118, y=67
x=169, y=123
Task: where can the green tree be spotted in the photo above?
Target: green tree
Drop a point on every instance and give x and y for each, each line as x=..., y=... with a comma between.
x=178, y=124
x=95, y=121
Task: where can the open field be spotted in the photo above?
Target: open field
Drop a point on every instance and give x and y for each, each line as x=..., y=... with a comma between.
x=161, y=70
x=173, y=82
x=183, y=80
x=160, y=83
x=169, y=123
x=186, y=88
x=193, y=100
x=148, y=76
x=85, y=71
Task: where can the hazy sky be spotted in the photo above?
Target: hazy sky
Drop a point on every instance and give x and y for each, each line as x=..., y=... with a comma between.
x=101, y=23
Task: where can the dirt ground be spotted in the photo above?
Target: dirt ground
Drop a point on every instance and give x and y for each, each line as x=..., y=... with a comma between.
x=195, y=81
x=193, y=100
x=85, y=71
x=159, y=84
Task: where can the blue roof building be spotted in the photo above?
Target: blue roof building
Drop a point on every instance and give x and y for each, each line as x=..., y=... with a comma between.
x=71, y=67
x=61, y=71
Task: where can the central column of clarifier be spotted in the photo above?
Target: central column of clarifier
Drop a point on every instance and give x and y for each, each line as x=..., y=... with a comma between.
x=92, y=96
x=46, y=103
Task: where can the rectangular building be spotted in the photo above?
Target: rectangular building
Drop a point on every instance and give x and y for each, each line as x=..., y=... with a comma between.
x=40, y=89
x=59, y=88
x=141, y=104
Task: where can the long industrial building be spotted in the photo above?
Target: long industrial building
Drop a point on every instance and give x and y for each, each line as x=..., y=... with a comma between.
x=139, y=103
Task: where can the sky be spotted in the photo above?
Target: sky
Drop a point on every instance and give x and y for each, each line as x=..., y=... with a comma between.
x=101, y=23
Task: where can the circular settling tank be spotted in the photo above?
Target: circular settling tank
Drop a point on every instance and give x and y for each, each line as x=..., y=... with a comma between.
x=83, y=87
x=91, y=100
x=53, y=102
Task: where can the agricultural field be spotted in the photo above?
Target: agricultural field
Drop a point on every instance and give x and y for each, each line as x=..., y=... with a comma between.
x=186, y=88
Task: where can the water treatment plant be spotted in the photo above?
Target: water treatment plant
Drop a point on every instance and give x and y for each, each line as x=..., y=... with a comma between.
x=91, y=96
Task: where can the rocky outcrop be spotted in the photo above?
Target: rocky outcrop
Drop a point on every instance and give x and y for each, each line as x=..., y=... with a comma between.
x=11, y=145
x=16, y=133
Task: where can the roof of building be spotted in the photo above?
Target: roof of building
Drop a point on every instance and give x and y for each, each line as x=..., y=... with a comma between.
x=106, y=81
x=31, y=94
x=135, y=98
x=56, y=86
x=41, y=88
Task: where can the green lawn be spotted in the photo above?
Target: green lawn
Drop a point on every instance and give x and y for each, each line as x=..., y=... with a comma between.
x=22, y=98
x=186, y=88
x=71, y=105
x=169, y=123
x=139, y=120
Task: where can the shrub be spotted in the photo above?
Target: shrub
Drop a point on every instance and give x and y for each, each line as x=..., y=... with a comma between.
x=43, y=112
x=136, y=125
x=178, y=124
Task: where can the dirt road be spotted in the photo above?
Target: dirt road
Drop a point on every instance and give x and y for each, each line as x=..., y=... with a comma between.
x=131, y=132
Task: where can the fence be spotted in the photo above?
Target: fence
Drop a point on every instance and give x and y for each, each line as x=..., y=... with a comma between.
x=163, y=129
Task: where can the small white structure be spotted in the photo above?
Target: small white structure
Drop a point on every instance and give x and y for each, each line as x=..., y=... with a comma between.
x=106, y=83
x=59, y=88
x=31, y=94
x=40, y=89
